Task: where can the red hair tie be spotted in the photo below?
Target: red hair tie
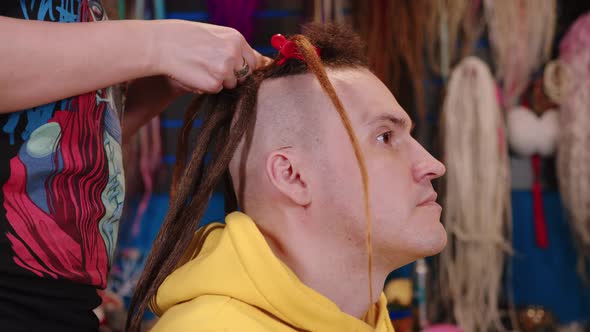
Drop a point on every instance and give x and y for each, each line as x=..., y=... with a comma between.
x=287, y=48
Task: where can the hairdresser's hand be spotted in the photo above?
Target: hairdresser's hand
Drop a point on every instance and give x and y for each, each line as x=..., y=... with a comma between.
x=201, y=57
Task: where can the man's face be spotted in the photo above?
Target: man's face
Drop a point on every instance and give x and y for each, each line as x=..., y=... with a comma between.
x=405, y=219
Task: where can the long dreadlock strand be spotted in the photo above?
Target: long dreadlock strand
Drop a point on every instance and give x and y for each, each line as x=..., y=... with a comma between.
x=173, y=238
x=315, y=66
x=196, y=162
x=395, y=32
x=181, y=149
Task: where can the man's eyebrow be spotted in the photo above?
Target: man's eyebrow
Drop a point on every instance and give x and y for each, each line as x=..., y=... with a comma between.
x=397, y=121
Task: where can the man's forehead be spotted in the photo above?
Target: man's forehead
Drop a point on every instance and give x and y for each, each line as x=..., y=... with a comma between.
x=363, y=95
x=366, y=98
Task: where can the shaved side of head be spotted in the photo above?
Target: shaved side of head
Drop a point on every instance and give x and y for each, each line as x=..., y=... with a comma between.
x=288, y=112
x=288, y=117
x=292, y=114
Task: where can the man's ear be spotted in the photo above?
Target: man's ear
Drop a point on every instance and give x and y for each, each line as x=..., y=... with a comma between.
x=285, y=175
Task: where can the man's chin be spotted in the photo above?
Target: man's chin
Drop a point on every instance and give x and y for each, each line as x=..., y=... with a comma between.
x=438, y=248
x=430, y=244
x=434, y=242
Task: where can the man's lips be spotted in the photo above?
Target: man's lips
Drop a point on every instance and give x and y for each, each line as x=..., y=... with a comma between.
x=430, y=199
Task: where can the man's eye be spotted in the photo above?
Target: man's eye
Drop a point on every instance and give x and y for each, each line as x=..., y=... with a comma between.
x=385, y=138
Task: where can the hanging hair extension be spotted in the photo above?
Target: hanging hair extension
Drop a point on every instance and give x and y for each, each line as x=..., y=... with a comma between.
x=573, y=154
x=228, y=118
x=395, y=31
x=521, y=35
x=557, y=81
x=476, y=202
x=453, y=28
x=328, y=11
x=150, y=156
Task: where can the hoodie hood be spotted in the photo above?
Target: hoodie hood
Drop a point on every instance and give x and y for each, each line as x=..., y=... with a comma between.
x=234, y=260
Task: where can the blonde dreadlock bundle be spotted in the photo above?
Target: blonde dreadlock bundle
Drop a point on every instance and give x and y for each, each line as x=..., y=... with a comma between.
x=452, y=23
x=476, y=203
x=573, y=154
x=521, y=35
x=328, y=11
x=316, y=67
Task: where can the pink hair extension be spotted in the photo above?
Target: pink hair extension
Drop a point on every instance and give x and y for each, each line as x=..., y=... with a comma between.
x=150, y=155
x=573, y=154
x=521, y=34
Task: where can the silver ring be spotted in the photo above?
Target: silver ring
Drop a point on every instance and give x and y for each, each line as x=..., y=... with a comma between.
x=244, y=71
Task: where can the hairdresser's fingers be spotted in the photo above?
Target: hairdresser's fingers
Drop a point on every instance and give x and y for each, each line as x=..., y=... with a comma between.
x=183, y=88
x=210, y=85
x=261, y=60
x=231, y=77
x=249, y=54
x=230, y=82
x=201, y=79
x=217, y=88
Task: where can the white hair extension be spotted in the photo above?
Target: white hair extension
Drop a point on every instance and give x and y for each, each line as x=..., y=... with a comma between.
x=476, y=201
x=573, y=154
x=521, y=35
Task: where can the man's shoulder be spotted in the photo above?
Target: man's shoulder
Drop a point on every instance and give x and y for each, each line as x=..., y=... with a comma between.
x=217, y=313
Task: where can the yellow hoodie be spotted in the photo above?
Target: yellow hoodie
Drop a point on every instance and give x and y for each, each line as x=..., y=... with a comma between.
x=232, y=281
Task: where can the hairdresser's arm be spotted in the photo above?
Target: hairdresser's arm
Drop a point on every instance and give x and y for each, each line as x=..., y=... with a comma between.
x=43, y=61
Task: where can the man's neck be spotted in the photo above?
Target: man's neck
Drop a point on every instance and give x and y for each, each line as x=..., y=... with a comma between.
x=340, y=274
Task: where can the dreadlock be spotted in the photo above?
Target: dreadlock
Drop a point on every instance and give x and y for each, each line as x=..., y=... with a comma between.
x=395, y=31
x=228, y=118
